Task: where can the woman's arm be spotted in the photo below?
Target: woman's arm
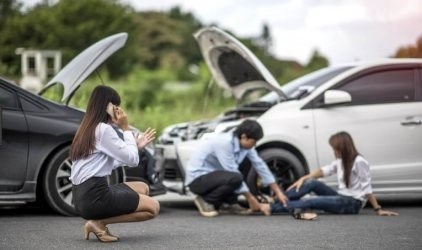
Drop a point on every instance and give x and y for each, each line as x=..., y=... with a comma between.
x=364, y=175
x=124, y=152
x=315, y=174
x=377, y=207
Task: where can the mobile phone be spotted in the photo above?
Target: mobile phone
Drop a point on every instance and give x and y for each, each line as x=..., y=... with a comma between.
x=110, y=111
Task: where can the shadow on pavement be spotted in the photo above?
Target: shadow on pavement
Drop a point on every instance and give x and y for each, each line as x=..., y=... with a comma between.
x=186, y=203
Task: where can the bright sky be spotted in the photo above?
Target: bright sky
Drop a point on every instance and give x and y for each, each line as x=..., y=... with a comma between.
x=342, y=30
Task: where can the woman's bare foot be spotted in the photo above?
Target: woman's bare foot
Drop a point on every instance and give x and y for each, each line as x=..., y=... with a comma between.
x=265, y=208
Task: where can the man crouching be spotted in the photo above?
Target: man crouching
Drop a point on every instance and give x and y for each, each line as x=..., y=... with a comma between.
x=213, y=171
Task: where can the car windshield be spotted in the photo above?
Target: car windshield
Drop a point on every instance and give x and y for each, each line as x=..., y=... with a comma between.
x=54, y=93
x=304, y=85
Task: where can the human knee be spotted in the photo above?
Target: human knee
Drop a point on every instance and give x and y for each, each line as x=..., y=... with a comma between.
x=157, y=208
x=145, y=188
x=154, y=210
x=153, y=207
x=311, y=182
x=236, y=179
x=142, y=188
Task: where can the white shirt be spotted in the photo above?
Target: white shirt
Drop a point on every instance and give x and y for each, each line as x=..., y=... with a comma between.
x=109, y=153
x=360, y=178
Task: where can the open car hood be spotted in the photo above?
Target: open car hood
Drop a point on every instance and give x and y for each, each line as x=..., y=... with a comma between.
x=77, y=70
x=233, y=66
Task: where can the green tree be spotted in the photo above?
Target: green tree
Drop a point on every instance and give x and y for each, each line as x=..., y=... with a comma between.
x=8, y=8
x=166, y=40
x=316, y=62
x=70, y=26
x=265, y=40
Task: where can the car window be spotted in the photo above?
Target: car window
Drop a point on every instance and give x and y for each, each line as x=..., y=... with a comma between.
x=7, y=98
x=419, y=86
x=54, y=93
x=28, y=105
x=296, y=89
x=382, y=87
x=304, y=85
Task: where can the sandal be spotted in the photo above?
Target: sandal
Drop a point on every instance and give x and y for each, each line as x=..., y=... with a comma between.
x=305, y=216
x=299, y=215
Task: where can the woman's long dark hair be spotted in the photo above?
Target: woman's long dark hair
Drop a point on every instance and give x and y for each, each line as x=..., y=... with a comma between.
x=84, y=141
x=343, y=146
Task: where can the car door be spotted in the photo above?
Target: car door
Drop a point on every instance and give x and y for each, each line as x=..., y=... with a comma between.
x=384, y=120
x=13, y=141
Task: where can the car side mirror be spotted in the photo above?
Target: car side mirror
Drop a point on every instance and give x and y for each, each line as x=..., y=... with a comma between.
x=336, y=97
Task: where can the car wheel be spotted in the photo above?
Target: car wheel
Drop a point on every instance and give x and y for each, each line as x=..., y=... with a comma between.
x=57, y=186
x=285, y=166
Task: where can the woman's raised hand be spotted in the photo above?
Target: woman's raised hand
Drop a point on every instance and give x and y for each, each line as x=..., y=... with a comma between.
x=143, y=139
x=121, y=118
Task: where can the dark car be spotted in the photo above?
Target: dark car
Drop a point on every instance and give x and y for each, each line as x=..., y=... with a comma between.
x=36, y=134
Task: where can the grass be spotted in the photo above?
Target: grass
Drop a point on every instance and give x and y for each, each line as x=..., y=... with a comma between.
x=156, y=99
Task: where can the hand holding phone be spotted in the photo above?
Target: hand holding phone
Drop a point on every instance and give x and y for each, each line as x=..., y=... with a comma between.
x=118, y=116
x=110, y=111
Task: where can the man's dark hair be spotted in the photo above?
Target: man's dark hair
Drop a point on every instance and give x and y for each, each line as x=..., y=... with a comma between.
x=252, y=129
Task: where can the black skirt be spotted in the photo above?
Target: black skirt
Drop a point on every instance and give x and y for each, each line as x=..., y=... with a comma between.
x=94, y=199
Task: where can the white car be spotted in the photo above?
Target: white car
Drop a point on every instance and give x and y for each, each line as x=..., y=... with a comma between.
x=379, y=103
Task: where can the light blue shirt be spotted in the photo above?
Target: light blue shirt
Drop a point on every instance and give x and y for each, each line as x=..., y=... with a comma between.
x=223, y=152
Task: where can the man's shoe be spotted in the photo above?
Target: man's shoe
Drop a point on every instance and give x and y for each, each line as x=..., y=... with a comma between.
x=204, y=207
x=234, y=209
x=154, y=178
x=157, y=189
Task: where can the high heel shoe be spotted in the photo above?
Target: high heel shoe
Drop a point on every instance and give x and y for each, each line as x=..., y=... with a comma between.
x=102, y=235
x=111, y=233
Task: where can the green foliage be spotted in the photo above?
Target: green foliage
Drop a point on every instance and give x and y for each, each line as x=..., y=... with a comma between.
x=316, y=62
x=151, y=99
x=69, y=26
x=160, y=73
x=166, y=41
x=282, y=70
x=265, y=40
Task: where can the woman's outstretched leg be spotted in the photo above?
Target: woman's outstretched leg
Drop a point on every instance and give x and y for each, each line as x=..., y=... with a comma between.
x=310, y=186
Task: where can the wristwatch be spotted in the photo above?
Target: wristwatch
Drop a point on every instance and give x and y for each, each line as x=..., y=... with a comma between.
x=377, y=208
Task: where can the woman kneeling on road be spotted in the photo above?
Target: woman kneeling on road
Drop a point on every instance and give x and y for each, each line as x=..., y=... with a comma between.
x=96, y=150
x=354, y=182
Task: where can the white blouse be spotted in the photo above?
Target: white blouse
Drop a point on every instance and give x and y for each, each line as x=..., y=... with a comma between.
x=360, y=178
x=110, y=152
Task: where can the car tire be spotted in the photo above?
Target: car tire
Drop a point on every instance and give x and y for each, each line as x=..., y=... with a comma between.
x=57, y=187
x=284, y=165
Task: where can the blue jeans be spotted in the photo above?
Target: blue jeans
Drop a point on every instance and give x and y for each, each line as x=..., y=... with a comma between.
x=326, y=199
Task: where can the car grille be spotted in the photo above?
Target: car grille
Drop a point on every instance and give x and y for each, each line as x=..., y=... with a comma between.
x=171, y=171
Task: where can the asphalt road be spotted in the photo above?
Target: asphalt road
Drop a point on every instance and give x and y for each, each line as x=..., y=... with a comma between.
x=179, y=226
